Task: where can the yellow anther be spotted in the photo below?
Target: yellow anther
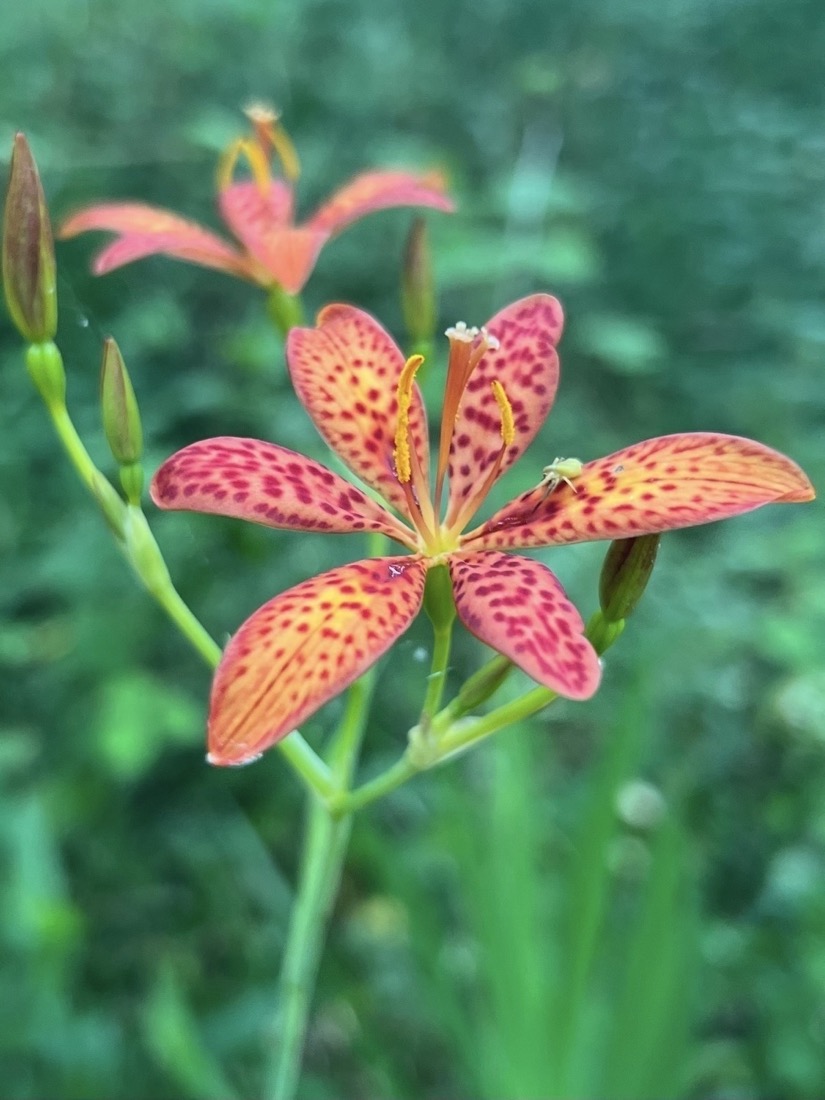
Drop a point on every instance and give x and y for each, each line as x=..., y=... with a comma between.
x=403, y=467
x=508, y=427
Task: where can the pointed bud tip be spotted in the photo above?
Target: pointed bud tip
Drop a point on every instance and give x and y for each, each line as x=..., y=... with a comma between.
x=119, y=407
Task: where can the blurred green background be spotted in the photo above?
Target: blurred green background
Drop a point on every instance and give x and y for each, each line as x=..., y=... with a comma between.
x=622, y=899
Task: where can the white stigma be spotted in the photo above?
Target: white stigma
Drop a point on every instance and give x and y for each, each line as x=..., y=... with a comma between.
x=460, y=331
x=493, y=343
x=472, y=335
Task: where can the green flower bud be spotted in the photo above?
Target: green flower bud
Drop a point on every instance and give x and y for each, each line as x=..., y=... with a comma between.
x=121, y=417
x=28, y=250
x=625, y=573
x=418, y=286
x=482, y=684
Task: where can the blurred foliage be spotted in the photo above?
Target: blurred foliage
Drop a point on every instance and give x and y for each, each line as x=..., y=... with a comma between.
x=625, y=898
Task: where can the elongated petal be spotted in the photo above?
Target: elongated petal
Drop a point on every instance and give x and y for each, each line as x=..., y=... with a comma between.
x=346, y=371
x=267, y=484
x=527, y=366
x=372, y=191
x=149, y=231
x=304, y=647
x=662, y=484
x=262, y=223
x=518, y=607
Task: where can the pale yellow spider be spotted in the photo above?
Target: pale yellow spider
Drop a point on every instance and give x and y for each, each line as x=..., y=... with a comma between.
x=560, y=470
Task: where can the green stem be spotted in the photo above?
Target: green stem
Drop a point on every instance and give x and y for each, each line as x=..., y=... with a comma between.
x=442, y=637
x=347, y=803
x=462, y=734
x=343, y=750
x=448, y=735
x=317, y=776
x=322, y=861
x=73, y=445
x=195, y=633
x=285, y=310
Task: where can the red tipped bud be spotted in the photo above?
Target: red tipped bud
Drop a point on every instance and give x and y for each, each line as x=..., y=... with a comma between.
x=28, y=250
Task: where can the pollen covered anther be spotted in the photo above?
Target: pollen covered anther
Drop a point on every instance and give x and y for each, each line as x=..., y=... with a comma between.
x=403, y=466
x=508, y=427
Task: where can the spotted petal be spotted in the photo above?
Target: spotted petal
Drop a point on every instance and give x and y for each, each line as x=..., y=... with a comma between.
x=527, y=366
x=662, y=484
x=346, y=372
x=304, y=647
x=267, y=484
x=519, y=608
x=262, y=222
x=149, y=231
x=372, y=191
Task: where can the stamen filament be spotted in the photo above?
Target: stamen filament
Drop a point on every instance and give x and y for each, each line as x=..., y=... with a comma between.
x=423, y=528
x=508, y=434
x=422, y=490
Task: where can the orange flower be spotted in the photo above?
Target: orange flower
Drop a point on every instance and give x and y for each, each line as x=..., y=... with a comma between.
x=274, y=250
x=306, y=645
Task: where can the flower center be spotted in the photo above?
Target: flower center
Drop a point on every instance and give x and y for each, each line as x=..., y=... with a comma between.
x=467, y=347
